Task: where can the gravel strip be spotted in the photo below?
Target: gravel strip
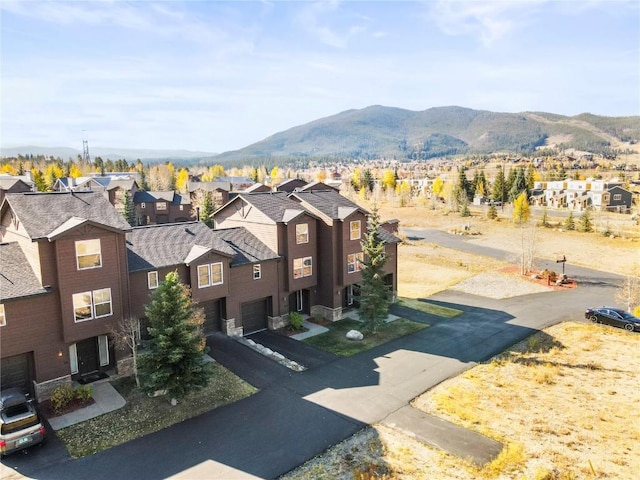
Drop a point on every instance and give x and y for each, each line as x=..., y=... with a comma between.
x=498, y=285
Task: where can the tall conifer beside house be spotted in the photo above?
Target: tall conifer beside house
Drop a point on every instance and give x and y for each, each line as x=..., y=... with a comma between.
x=375, y=296
x=175, y=360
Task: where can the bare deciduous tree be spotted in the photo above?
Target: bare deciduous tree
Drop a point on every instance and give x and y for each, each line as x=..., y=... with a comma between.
x=629, y=292
x=126, y=335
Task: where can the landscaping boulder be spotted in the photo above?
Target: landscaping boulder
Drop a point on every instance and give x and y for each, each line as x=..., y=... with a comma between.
x=354, y=335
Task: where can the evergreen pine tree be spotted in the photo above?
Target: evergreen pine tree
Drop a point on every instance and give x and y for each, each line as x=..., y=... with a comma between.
x=570, y=223
x=545, y=218
x=585, y=224
x=492, y=213
x=464, y=209
x=129, y=209
x=207, y=210
x=499, y=186
x=175, y=359
x=374, y=292
x=368, y=180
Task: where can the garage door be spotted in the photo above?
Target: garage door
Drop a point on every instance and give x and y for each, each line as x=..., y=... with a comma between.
x=212, y=315
x=254, y=315
x=16, y=372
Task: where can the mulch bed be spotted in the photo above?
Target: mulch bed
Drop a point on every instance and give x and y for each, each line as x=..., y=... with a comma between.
x=515, y=270
x=46, y=408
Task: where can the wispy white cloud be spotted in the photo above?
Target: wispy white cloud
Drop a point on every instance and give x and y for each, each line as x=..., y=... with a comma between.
x=489, y=21
x=320, y=20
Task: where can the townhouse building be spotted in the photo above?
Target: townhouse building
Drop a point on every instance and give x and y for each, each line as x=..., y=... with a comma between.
x=606, y=195
x=72, y=269
x=154, y=208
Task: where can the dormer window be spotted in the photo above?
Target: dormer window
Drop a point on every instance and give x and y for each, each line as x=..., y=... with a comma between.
x=88, y=254
x=354, y=228
x=302, y=233
x=210, y=275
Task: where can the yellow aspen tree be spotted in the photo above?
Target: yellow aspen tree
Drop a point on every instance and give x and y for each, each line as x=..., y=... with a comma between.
x=182, y=181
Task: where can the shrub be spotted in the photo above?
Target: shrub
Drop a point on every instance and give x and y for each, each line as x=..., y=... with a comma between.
x=551, y=275
x=61, y=397
x=295, y=321
x=84, y=392
x=492, y=213
x=569, y=223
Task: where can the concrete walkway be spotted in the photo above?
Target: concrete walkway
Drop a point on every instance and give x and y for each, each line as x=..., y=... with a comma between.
x=444, y=435
x=106, y=399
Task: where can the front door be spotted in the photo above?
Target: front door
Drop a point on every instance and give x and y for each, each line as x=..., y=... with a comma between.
x=87, y=352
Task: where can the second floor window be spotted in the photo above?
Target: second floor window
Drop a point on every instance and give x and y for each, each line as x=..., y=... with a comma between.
x=88, y=254
x=161, y=206
x=257, y=272
x=354, y=262
x=354, y=228
x=92, y=304
x=3, y=318
x=302, y=233
x=302, y=267
x=617, y=196
x=152, y=280
x=209, y=275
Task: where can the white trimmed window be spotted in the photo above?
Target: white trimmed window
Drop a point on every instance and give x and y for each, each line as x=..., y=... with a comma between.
x=302, y=233
x=152, y=280
x=354, y=262
x=257, y=272
x=354, y=228
x=3, y=318
x=302, y=267
x=209, y=275
x=93, y=304
x=617, y=197
x=161, y=205
x=88, y=254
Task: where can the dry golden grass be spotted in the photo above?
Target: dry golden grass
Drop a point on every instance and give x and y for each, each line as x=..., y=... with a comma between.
x=569, y=395
x=565, y=403
x=426, y=268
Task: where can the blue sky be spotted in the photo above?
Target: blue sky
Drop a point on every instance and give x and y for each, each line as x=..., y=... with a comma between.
x=217, y=76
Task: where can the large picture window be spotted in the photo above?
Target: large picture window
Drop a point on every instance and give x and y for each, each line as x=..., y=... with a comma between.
x=354, y=262
x=302, y=233
x=92, y=304
x=209, y=275
x=302, y=267
x=354, y=228
x=88, y=254
x=161, y=205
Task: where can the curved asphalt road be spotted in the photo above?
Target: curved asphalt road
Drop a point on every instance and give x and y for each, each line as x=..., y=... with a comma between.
x=296, y=416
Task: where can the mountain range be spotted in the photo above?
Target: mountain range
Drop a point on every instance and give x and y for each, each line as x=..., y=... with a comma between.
x=393, y=133
x=387, y=132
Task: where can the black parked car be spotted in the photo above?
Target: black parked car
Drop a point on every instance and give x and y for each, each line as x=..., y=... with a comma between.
x=613, y=316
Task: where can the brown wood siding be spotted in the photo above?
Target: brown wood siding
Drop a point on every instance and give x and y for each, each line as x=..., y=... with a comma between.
x=139, y=292
x=327, y=265
x=209, y=293
x=111, y=275
x=245, y=289
x=294, y=251
x=34, y=325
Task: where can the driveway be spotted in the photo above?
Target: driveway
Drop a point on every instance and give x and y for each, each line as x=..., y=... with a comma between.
x=296, y=416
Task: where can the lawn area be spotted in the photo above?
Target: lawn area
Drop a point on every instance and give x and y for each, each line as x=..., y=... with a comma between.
x=335, y=341
x=143, y=415
x=427, y=307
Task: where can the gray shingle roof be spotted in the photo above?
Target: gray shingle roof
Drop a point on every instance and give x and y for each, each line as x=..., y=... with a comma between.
x=169, y=196
x=42, y=213
x=17, y=279
x=275, y=205
x=158, y=246
x=209, y=186
x=329, y=202
x=387, y=237
x=247, y=247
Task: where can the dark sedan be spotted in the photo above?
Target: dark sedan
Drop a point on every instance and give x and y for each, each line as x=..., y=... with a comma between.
x=613, y=316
